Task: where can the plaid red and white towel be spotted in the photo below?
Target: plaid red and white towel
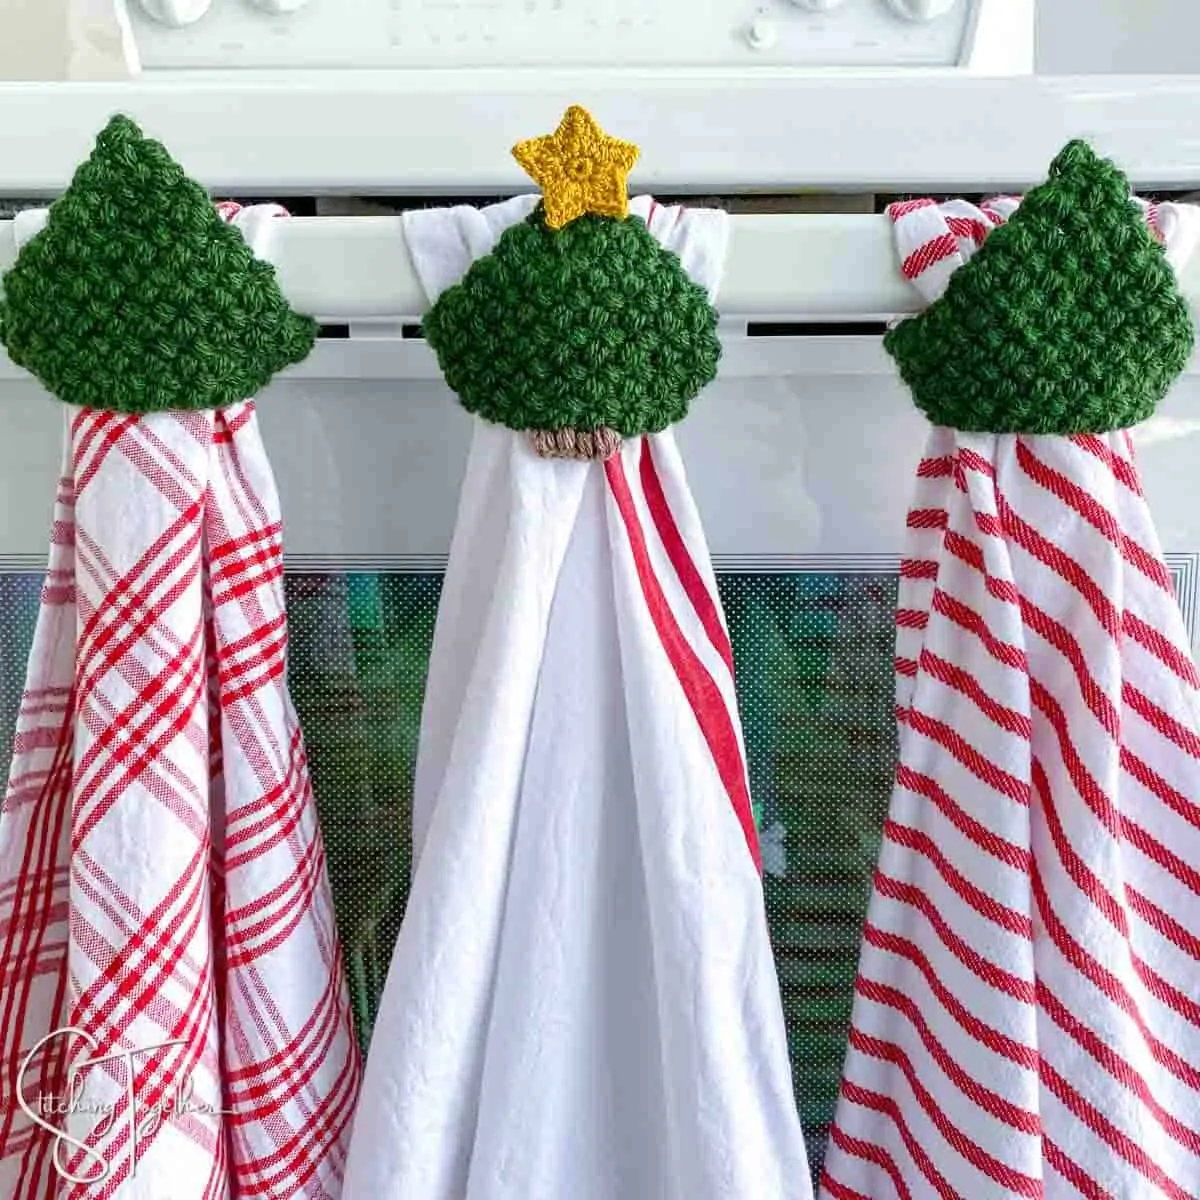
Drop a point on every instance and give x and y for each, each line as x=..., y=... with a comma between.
x=1027, y=1011
x=163, y=893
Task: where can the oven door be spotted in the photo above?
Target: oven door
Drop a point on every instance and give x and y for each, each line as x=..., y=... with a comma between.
x=802, y=476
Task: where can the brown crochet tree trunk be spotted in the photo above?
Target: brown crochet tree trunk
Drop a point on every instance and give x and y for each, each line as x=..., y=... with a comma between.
x=576, y=443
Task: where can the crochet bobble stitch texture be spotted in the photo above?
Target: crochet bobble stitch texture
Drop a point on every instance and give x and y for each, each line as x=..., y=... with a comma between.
x=1067, y=320
x=592, y=327
x=137, y=297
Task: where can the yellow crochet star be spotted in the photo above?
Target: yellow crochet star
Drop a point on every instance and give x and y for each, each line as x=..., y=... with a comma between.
x=580, y=169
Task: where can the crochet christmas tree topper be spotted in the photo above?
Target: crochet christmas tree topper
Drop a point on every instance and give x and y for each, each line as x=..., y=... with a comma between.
x=579, y=326
x=137, y=297
x=1067, y=320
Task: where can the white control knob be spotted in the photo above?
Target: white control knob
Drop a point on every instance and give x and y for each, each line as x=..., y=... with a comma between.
x=279, y=6
x=921, y=10
x=819, y=5
x=761, y=33
x=175, y=12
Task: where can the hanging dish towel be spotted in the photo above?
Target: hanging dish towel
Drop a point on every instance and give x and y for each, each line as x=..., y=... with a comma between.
x=1027, y=1011
x=582, y=1001
x=174, y=1021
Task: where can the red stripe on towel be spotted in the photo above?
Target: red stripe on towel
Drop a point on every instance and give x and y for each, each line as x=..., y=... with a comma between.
x=702, y=692
x=681, y=559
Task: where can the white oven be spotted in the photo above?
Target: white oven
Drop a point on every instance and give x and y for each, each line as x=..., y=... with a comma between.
x=800, y=116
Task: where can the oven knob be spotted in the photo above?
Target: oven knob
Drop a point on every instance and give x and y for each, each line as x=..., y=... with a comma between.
x=761, y=33
x=819, y=5
x=921, y=10
x=175, y=12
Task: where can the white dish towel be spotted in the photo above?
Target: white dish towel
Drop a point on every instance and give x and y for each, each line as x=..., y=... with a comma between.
x=582, y=1004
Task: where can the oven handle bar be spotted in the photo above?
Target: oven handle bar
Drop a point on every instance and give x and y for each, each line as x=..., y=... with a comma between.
x=795, y=267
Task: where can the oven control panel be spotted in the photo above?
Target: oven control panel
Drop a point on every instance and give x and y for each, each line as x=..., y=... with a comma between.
x=415, y=34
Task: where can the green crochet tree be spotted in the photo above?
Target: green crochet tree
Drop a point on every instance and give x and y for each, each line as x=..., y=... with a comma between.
x=1067, y=320
x=579, y=325
x=137, y=297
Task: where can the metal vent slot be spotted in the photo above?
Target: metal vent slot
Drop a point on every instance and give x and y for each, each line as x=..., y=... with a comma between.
x=791, y=329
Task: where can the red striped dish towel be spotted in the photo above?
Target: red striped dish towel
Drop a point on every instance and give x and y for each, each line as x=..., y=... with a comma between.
x=1027, y=1011
x=163, y=890
x=582, y=1001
